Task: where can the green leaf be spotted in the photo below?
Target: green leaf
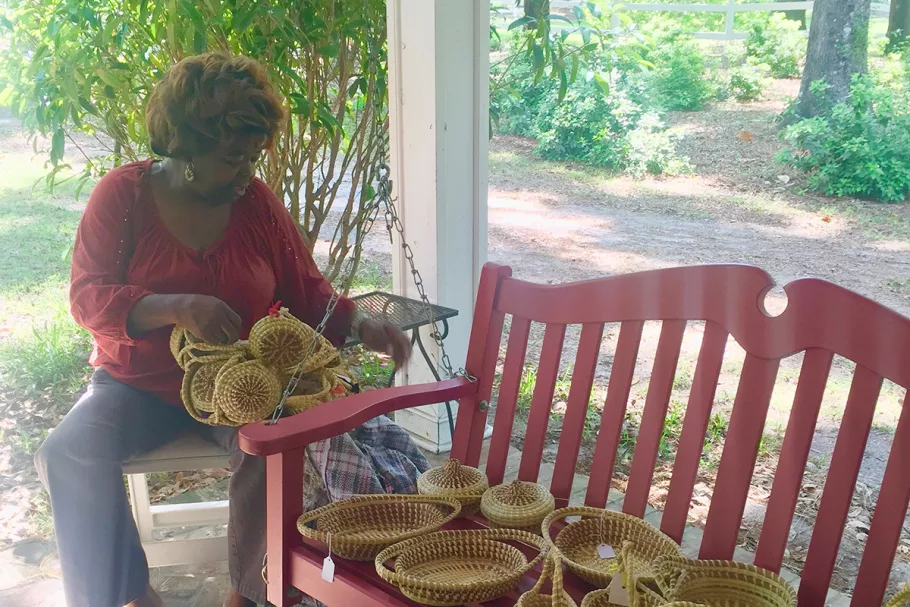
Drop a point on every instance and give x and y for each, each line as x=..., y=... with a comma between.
x=242, y=19
x=328, y=121
x=329, y=50
x=57, y=146
x=300, y=105
x=521, y=22
x=69, y=85
x=558, y=17
x=108, y=78
x=602, y=83
x=172, y=26
x=37, y=59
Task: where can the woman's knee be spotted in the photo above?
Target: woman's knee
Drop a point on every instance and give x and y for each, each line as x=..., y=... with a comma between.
x=50, y=456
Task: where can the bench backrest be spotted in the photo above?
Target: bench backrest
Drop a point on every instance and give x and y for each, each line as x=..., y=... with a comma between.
x=821, y=320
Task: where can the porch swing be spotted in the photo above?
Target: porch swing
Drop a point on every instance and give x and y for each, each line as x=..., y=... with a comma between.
x=821, y=320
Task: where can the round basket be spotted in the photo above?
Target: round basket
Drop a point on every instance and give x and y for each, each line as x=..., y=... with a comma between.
x=730, y=584
x=577, y=542
x=517, y=505
x=901, y=599
x=246, y=392
x=281, y=342
x=451, y=568
x=464, y=483
x=558, y=597
x=366, y=524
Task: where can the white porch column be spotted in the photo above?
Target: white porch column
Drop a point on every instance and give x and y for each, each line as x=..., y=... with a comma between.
x=438, y=110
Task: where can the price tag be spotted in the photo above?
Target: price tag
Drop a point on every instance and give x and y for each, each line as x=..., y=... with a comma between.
x=328, y=569
x=605, y=551
x=618, y=594
x=328, y=565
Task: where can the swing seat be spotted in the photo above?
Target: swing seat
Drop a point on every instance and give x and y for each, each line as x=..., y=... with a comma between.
x=821, y=320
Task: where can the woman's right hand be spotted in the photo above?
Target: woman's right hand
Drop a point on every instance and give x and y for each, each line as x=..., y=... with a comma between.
x=208, y=318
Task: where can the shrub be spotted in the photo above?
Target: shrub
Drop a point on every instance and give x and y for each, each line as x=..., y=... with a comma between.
x=607, y=129
x=860, y=147
x=749, y=80
x=776, y=42
x=680, y=79
x=517, y=104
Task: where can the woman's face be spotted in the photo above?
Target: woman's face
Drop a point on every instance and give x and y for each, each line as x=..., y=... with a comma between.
x=222, y=176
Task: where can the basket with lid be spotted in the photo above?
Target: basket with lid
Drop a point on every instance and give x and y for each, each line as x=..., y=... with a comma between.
x=452, y=479
x=517, y=505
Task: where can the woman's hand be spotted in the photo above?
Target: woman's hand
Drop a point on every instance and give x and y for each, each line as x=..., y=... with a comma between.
x=380, y=336
x=209, y=319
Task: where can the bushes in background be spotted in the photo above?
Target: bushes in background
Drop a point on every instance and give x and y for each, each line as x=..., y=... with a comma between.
x=860, y=147
x=607, y=128
x=680, y=78
x=776, y=42
x=596, y=123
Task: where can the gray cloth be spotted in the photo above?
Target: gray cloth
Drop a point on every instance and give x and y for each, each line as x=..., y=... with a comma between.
x=80, y=463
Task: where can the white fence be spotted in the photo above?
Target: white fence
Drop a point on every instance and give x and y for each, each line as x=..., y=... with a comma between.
x=729, y=10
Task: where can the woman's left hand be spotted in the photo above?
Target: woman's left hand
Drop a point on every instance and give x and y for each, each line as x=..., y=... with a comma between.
x=380, y=336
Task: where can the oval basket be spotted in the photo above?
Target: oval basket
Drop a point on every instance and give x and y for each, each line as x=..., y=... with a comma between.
x=729, y=584
x=449, y=568
x=558, y=596
x=364, y=525
x=577, y=542
x=452, y=479
x=517, y=505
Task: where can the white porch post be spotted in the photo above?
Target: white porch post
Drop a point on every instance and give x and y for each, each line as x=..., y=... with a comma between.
x=438, y=100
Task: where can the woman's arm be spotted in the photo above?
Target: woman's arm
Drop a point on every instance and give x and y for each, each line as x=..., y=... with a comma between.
x=302, y=288
x=100, y=299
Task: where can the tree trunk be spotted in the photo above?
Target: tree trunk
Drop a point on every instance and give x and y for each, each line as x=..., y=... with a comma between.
x=797, y=16
x=898, y=23
x=536, y=8
x=838, y=47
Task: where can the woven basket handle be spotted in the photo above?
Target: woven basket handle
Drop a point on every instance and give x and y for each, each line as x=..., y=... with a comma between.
x=901, y=599
x=563, y=513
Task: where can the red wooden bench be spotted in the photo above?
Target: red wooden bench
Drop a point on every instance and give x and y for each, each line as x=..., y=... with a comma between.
x=821, y=320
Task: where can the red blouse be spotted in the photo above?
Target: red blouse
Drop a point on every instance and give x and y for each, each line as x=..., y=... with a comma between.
x=123, y=252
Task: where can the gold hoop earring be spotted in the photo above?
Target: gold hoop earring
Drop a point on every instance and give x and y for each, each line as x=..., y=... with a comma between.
x=190, y=172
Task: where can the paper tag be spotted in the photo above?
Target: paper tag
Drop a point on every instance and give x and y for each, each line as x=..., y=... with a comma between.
x=573, y=519
x=328, y=569
x=618, y=594
x=605, y=551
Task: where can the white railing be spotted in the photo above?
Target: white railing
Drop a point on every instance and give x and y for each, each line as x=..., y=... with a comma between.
x=729, y=10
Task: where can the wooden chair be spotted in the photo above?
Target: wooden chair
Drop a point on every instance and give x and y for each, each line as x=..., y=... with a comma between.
x=184, y=453
x=821, y=320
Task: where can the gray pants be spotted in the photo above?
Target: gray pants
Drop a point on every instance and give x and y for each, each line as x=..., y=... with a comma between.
x=80, y=465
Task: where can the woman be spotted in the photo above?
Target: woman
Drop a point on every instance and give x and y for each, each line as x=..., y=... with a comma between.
x=194, y=240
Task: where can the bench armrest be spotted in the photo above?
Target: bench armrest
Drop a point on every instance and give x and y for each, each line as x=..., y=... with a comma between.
x=337, y=417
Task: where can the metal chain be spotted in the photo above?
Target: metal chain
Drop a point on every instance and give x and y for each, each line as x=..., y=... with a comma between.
x=393, y=222
x=348, y=273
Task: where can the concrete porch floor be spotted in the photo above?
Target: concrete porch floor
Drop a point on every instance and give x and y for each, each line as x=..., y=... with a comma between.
x=206, y=585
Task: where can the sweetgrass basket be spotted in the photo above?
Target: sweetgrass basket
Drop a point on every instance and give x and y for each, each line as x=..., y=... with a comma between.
x=452, y=479
x=578, y=543
x=517, y=505
x=729, y=584
x=901, y=599
x=363, y=525
x=449, y=568
x=558, y=596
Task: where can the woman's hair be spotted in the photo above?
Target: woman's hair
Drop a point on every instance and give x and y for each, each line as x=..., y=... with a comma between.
x=210, y=98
